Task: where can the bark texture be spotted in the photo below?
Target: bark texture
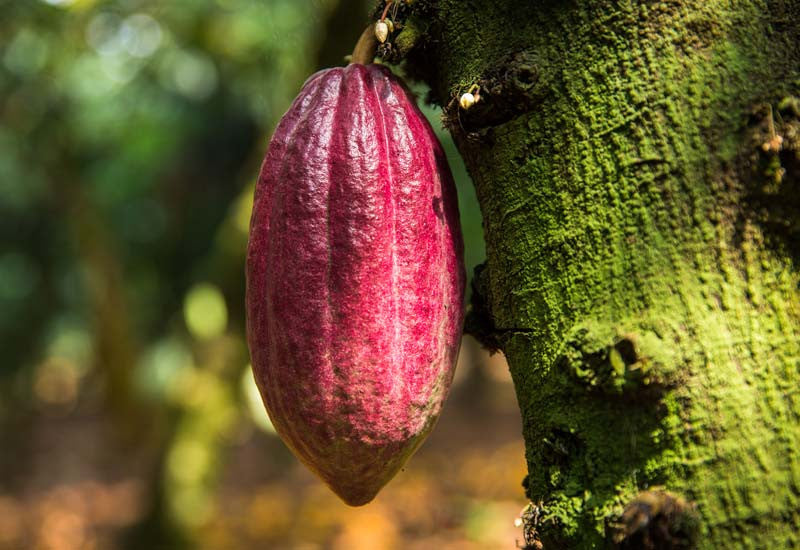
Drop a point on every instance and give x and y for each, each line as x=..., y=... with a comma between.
x=637, y=168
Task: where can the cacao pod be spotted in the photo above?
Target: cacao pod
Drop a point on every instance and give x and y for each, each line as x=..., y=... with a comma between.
x=355, y=278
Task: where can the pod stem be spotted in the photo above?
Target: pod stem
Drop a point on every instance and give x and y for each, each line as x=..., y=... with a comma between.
x=365, y=49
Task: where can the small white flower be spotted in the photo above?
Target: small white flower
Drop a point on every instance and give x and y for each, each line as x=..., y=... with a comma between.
x=467, y=100
x=381, y=31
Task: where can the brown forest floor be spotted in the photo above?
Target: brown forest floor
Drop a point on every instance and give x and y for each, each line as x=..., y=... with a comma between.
x=462, y=490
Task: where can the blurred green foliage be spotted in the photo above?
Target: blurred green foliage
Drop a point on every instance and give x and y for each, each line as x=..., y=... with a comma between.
x=148, y=119
x=131, y=134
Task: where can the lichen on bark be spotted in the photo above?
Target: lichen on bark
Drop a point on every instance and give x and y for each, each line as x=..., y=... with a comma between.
x=642, y=248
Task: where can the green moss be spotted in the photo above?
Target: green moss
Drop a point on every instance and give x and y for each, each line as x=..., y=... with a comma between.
x=414, y=29
x=649, y=319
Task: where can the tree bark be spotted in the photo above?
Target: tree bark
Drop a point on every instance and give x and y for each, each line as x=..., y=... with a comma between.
x=637, y=167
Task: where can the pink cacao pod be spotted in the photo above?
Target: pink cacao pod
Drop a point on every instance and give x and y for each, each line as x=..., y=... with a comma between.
x=355, y=278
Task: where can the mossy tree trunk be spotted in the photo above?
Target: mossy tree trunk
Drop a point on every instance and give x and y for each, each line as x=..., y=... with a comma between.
x=637, y=167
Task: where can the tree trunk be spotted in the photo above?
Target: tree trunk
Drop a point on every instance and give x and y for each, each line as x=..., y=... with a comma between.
x=637, y=165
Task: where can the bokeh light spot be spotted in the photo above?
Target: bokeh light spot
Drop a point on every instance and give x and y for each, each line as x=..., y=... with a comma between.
x=205, y=312
x=191, y=74
x=162, y=366
x=255, y=406
x=103, y=34
x=56, y=381
x=141, y=35
x=27, y=53
x=189, y=461
x=244, y=207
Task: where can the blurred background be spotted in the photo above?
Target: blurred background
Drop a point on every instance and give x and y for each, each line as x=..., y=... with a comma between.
x=131, y=134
